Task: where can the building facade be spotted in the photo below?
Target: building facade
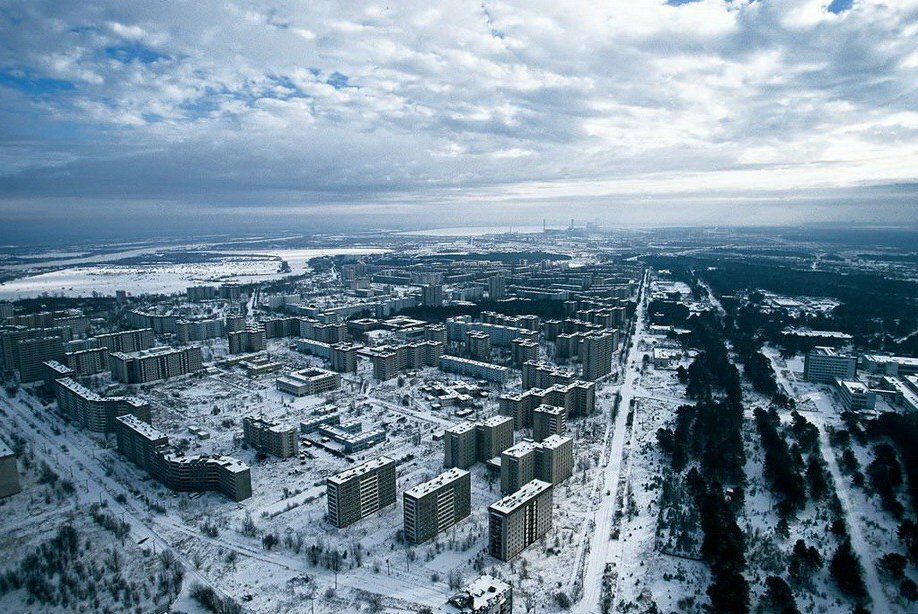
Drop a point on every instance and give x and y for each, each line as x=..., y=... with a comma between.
x=360, y=491
x=435, y=506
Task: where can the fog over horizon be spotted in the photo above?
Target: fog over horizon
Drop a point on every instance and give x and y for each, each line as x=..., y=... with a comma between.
x=151, y=119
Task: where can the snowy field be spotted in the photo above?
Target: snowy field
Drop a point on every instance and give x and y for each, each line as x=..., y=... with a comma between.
x=105, y=278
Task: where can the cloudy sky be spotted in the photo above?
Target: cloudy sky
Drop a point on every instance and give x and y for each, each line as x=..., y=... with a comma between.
x=199, y=113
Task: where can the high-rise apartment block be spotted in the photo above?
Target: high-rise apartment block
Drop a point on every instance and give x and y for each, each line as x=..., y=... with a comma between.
x=597, y=352
x=497, y=287
x=435, y=506
x=155, y=364
x=578, y=398
x=360, y=491
x=517, y=466
x=432, y=295
x=88, y=362
x=127, y=341
x=460, y=445
x=148, y=448
x=544, y=375
x=555, y=459
x=94, y=412
x=9, y=472
x=478, y=345
x=548, y=420
x=389, y=360
x=249, y=339
x=475, y=368
x=519, y=519
x=523, y=351
x=270, y=437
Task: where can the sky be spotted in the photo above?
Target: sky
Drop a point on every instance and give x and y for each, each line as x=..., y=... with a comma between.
x=196, y=115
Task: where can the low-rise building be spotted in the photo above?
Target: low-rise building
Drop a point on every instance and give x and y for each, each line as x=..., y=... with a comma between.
x=308, y=381
x=856, y=396
x=486, y=595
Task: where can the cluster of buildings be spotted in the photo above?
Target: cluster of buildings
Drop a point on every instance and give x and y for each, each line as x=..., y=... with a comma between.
x=892, y=377
x=578, y=398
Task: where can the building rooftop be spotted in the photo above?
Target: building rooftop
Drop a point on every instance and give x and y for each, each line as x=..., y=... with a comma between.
x=162, y=350
x=521, y=449
x=528, y=491
x=5, y=450
x=429, y=486
x=462, y=427
x=902, y=360
x=853, y=386
x=549, y=409
x=480, y=595
x=136, y=424
x=367, y=467
x=496, y=420
x=553, y=442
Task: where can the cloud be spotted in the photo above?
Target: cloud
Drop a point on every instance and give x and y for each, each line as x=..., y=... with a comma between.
x=374, y=104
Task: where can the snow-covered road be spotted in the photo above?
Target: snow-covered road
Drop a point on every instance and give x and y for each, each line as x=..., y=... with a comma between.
x=600, y=545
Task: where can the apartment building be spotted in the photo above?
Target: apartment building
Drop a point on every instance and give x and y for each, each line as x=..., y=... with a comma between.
x=517, y=466
x=492, y=436
x=93, y=411
x=55, y=371
x=475, y=369
x=523, y=351
x=246, y=341
x=435, y=506
x=596, y=354
x=460, y=445
x=548, y=420
x=270, y=437
x=148, y=448
x=389, y=360
x=478, y=345
x=360, y=491
x=578, y=398
x=554, y=459
x=87, y=362
x=127, y=341
x=155, y=364
x=544, y=375
x=9, y=472
x=519, y=519
x=199, y=330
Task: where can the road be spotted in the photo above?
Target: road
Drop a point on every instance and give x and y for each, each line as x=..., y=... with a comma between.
x=865, y=550
x=600, y=545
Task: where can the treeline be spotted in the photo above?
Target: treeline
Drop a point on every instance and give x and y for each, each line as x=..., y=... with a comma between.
x=875, y=309
x=782, y=467
x=708, y=436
